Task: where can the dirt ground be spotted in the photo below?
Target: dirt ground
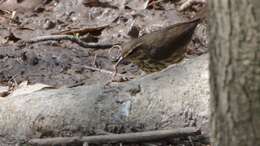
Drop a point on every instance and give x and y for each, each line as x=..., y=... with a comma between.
x=62, y=63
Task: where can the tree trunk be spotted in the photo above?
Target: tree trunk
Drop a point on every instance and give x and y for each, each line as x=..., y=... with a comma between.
x=235, y=72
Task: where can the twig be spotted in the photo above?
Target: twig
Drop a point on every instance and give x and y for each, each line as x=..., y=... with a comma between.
x=81, y=31
x=67, y=37
x=103, y=71
x=120, y=138
x=94, y=60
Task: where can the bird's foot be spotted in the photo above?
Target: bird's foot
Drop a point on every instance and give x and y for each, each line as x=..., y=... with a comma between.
x=118, y=77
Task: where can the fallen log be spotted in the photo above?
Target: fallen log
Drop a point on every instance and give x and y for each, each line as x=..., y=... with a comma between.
x=174, y=98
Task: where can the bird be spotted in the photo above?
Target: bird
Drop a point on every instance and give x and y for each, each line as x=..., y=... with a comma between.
x=157, y=50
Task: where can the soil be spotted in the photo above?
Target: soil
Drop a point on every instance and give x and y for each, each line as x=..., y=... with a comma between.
x=61, y=63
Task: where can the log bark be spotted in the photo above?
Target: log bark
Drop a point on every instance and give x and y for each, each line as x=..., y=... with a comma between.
x=174, y=98
x=235, y=72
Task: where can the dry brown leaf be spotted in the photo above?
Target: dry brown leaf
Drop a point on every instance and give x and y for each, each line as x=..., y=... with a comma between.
x=97, y=3
x=25, y=88
x=137, y=4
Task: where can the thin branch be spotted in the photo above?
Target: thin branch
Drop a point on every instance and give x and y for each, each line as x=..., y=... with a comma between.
x=120, y=138
x=71, y=38
x=105, y=71
x=99, y=70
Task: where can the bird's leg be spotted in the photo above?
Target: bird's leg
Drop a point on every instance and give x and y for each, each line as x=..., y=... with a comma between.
x=188, y=3
x=118, y=58
x=116, y=65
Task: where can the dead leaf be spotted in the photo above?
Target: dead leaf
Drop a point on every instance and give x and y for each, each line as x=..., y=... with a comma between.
x=137, y=4
x=20, y=5
x=97, y=3
x=24, y=28
x=12, y=37
x=25, y=88
x=4, y=91
x=155, y=4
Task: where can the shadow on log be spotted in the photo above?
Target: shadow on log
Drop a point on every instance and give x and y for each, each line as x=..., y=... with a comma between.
x=149, y=136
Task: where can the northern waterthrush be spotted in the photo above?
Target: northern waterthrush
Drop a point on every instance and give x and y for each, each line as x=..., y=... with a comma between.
x=157, y=50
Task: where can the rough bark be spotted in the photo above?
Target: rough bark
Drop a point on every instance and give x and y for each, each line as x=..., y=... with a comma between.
x=235, y=72
x=174, y=98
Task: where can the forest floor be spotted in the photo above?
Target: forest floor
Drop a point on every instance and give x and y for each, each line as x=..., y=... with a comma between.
x=63, y=62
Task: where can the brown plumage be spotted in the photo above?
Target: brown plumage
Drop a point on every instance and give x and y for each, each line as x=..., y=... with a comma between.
x=155, y=51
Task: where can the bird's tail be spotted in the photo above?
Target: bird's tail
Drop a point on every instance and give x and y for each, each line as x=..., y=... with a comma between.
x=202, y=14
